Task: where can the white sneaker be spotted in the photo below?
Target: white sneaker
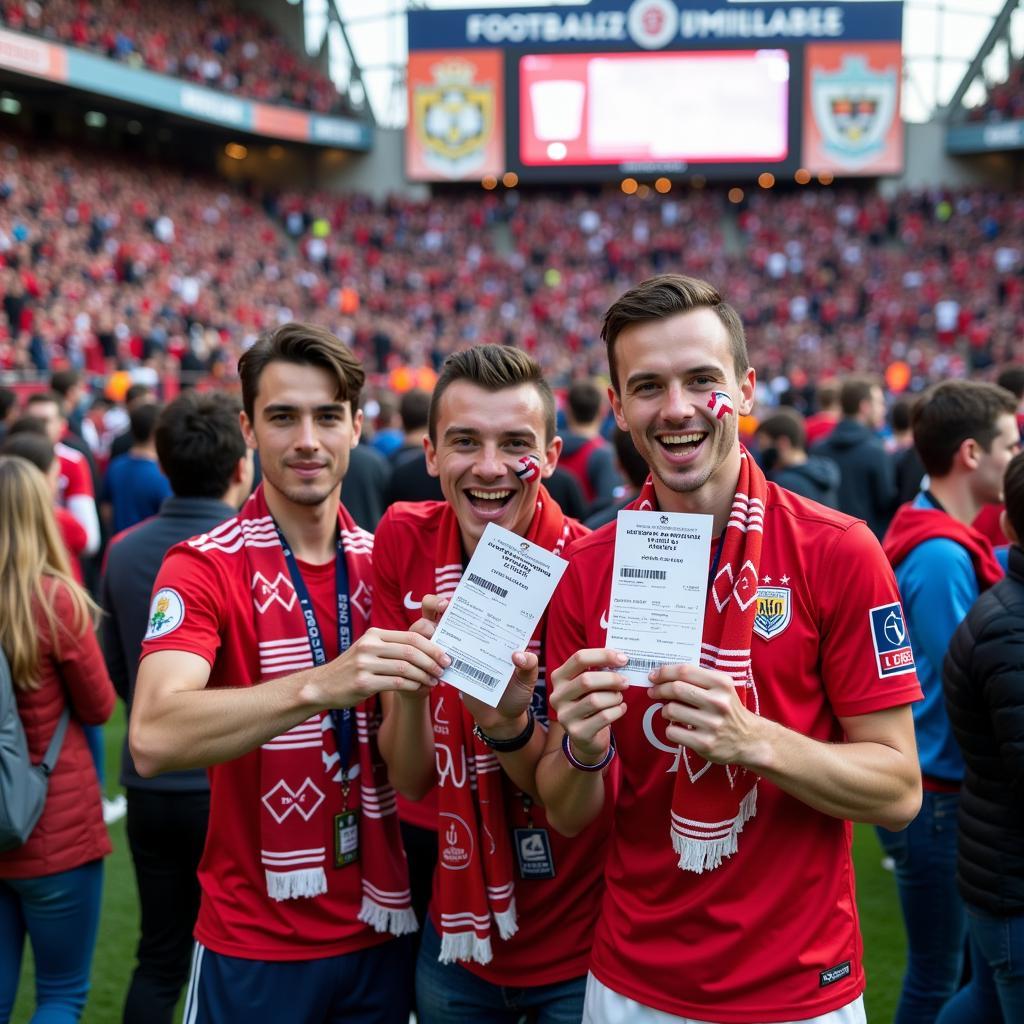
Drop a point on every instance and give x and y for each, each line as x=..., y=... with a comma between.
x=114, y=809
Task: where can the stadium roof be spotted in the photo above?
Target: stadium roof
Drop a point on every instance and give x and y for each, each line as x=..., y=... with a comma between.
x=940, y=40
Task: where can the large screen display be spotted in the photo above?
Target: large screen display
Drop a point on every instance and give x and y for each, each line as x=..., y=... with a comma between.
x=620, y=108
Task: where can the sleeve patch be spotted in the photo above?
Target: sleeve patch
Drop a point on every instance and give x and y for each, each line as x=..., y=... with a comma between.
x=166, y=613
x=893, y=653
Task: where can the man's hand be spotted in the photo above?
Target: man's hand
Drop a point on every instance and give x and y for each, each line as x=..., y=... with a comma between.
x=381, y=660
x=508, y=719
x=587, y=696
x=705, y=714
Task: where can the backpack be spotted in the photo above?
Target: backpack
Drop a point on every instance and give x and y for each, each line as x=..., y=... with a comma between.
x=23, y=785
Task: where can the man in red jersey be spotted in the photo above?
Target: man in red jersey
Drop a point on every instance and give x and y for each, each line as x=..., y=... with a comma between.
x=258, y=662
x=514, y=905
x=729, y=890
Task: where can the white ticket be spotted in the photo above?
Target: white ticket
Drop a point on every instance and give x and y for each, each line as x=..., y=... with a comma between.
x=495, y=610
x=659, y=588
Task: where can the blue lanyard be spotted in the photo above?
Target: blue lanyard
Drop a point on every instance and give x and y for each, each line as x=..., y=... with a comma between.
x=342, y=718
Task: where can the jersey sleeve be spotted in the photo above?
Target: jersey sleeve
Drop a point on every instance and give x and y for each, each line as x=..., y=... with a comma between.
x=188, y=607
x=867, y=663
x=388, y=612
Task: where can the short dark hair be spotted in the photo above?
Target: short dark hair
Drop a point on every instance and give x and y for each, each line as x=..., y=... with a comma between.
x=899, y=414
x=303, y=345
x=631, y=461
x=414, y=409
x=666, y=295
x=785, y=422
x=27, y=424
x=37, y=448
x=1012, y=378
x=45, y=397
x=62, y=381
x=8, y=400
x=137, y=391
x=951, y=412
x=493, y=368
x=853, y=391
x=827, y=393
x=1013, y=494
x=584, y=401
x=199, y=442
x=142, y=421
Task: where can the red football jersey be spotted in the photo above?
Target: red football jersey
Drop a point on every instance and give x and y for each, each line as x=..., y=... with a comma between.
x=75, y=478
x=772, y=934
x=236, y=916
x=557, y=916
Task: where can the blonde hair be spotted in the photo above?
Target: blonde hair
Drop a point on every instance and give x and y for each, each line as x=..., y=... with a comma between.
x=31, y=548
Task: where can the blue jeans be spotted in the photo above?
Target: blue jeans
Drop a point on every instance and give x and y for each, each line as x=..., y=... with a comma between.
x=933, y=912
x=995, y=992
x=60, y=913
x=449, y=994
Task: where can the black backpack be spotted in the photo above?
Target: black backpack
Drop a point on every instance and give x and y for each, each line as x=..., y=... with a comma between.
x=23, y=784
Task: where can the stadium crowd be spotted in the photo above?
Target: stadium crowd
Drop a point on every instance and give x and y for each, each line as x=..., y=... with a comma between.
x=215, y=44
x=104, y=264
x=1005, y=100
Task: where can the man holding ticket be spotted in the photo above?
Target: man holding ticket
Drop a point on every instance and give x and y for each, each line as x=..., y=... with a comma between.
x=514, y=904
x=741, y=654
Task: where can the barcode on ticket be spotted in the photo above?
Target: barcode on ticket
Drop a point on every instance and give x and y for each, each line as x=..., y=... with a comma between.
x=464, y=669
x=628, y=573
x=487, y=585
x=642, y=664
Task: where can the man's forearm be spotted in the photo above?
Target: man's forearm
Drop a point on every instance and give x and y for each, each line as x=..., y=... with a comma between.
x=406, y=741
x=572, y=799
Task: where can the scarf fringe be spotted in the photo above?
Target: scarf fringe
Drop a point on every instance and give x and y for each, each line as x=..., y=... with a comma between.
x=506, y=921
x=457, y=946
x=293, y=885
x=700, y=855
x=388, y=919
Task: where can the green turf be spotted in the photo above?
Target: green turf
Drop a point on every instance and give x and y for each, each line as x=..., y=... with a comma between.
x=884, y=947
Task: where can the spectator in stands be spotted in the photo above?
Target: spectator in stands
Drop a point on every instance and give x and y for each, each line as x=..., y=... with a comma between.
x=631, y=466
x=50, y=886
x=410, y=480
x=989, y=521
x=388, y=437
x=8, y=410
x=984, y=695
x=966, y=434
x=135, y=487
x=585, y=453
x=783, y=446
x=204, y=456
x=75, y=490
x=136, y=395
x=866, y=489
x=80, y=434
x=908, y=470
x=366, y=485
x=822, y=422
x=29, y=440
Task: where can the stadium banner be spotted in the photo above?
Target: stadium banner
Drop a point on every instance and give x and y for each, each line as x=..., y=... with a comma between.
x=852, y=109
x=456, y=127
x=29, y=56
x=653, y=24
x=972, y=138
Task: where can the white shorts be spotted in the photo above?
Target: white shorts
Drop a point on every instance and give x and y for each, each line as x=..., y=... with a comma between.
x=603, y=1006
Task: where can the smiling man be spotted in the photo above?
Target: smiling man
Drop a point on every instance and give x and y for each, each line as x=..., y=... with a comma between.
x=729, y=892
x=258, y=663
x=514, y=904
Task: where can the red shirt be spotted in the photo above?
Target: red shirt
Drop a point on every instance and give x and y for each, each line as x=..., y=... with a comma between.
x=556, y=917
x=750, y=940
x=75, y=539
x=236, y=916
x=75, y=478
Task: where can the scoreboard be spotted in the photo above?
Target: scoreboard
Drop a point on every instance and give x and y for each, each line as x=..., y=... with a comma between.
x=655, y=88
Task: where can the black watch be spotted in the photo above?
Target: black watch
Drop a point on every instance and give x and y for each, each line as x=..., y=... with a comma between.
x=508, y=746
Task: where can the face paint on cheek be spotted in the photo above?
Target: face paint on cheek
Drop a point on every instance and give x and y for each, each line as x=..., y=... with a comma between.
x=529, y=468
x=720, y=404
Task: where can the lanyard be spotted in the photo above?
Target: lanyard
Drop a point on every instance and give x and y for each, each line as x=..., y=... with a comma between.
x=342, y=718
x=714, y=563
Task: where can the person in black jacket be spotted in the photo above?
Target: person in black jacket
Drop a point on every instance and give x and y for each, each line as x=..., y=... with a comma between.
x=202, y=452
x=983, y=684
x=782, y=440
x=867, y=488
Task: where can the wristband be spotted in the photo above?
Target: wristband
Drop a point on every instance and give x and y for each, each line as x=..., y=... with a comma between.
x=579, y=765
x=508, y=746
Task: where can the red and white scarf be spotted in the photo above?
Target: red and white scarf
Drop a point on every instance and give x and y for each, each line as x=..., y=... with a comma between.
x=712, y=802
x=300, y=778
x=476, y=881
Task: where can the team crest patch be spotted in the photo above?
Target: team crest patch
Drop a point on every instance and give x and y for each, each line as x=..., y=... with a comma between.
x=774, y=611
x=166, y=613
x=893, y=653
